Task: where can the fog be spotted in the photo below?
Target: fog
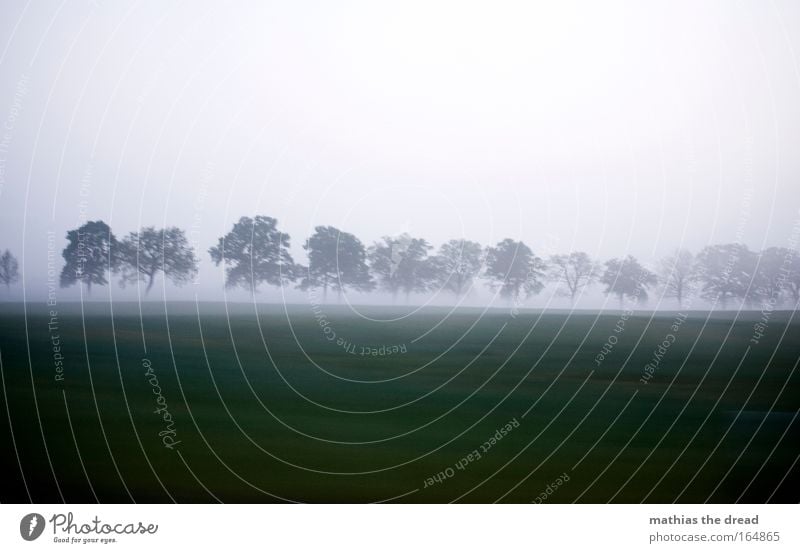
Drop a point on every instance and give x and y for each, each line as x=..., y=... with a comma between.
x=628, y=128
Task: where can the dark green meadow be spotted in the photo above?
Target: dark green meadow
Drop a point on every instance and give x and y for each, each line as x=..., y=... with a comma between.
x=267, y=406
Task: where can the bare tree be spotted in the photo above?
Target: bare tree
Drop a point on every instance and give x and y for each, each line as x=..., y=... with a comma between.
x=575, y=271
x=400, y=264
x=725, y=272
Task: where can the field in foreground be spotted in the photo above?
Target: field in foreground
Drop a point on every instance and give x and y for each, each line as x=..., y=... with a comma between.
x=282, y=403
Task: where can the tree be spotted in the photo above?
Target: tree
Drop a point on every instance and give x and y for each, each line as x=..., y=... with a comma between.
x=575, y=271
x=142, y=255
x=513, y=268
x=627, y=278
x=9, y=269
x=456, y=265
x=254, y=252
x=676, y=272
x=337, y=260
x=89, y=255
x=400, y=264
x=725, y=272
x=779, y=274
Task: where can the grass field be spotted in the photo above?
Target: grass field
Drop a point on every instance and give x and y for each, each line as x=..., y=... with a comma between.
x=268, y=405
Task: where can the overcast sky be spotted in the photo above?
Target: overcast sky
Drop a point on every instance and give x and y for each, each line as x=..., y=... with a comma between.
x=628, y=128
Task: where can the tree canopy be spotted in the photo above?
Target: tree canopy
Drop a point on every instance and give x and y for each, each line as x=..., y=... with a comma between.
x=725, y=272
x=575, y=271
x=779, y=274
x=9, y=269
x=676, y=274
x=256, y=252
x=401, y=264
x=336, y=260
x=627, y=278
x=512, y=268
x=456, y=265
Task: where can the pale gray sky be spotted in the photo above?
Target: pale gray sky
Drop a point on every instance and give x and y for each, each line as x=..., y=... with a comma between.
x=622, y=128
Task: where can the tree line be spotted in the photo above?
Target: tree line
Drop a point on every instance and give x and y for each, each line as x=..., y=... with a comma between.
x=255, y=253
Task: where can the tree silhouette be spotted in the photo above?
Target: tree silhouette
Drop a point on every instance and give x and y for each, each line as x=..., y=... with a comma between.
x=9, y=269
x=676, y=273
x=400, y=264
x=89, y=255
x=779, y=274
x=336, y=260
x=142, y=255
x=725, y=272
x=253, y=252
x=575, y=271
x=456, y=265
x=513, y=268
x=627, y=278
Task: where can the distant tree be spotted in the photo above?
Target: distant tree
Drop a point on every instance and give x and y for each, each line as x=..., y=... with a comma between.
x=575, y=271
x=90, y=254
x=456, y=265
x=142, y=255
x=254, y=252
x=336, y=260
x=627, y=278
x=400, y=264
x=779, y=274
x=676, y=272
x=726, y=272
x=512, y=268
x=9, y=269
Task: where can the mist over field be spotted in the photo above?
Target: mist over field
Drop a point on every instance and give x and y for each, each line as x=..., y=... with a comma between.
x=614, y=130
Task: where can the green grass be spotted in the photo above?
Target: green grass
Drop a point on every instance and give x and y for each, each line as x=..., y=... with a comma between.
x=256, y=414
